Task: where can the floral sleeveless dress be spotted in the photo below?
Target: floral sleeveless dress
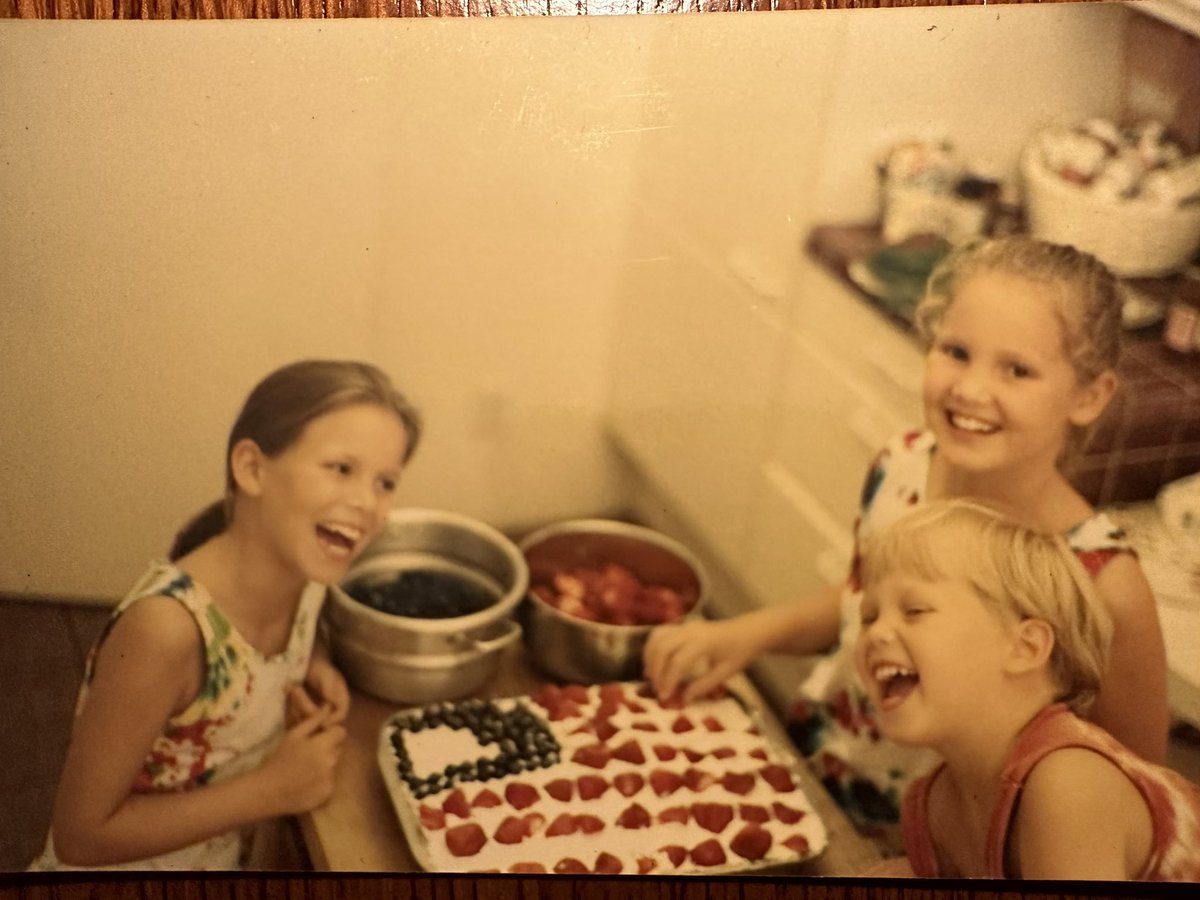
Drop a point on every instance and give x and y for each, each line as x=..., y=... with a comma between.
x=235, y=721
x=831, y=722
x=1173, y=801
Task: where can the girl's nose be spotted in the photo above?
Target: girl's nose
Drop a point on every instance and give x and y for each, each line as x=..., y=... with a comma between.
x=971, y=384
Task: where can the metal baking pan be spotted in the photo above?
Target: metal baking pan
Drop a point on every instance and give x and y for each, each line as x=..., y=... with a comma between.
x=406, y=802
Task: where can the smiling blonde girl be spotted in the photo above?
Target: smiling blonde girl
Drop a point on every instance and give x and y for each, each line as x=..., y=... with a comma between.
x=985, y=641
x=207, y=705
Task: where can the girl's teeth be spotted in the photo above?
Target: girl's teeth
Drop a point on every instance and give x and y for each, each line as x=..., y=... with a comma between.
x=969, y=423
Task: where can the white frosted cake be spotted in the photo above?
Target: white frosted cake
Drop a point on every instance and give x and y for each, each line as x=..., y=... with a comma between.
x=602, y=779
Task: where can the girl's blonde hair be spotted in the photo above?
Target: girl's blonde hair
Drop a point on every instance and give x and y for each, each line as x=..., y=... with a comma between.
x=276, y=413
x=1087, y=302
x=1015, y=570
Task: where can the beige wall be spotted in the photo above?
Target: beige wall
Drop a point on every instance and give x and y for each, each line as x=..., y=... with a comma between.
x=481, y=206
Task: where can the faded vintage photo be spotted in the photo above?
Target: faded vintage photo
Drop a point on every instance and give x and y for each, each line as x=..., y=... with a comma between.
x=594, y=441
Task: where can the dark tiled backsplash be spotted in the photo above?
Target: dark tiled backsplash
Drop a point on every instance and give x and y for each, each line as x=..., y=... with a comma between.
x=1150, y=435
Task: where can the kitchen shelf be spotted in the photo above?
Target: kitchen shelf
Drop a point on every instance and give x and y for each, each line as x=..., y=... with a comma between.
x=1150, y=434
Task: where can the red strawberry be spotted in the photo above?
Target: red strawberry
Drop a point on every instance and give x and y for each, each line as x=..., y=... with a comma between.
x=570, y=866
x=607, y=864
x=431, y=818
x=738, y=782
x=665, y=753
x=456, y=804
x=560, y=789
x=778, y=777
x=645, y=864
x=546, y=696
x=511, y=831
x=682, y=724
x=630, y=752
x=708, y=853
x=466, y=839
x=486, y=798
x=607, y=708
x=576, y=693
x=723, y=753
x=634, y=707
x=678, y=814
x=588, y=824
x=612, y=690
x=634, y=817
x=563, y=824
x=629, y=783
x=644, y=726
x=752, y=812
x=594, y=755
x=712, y=816
x=604, y=729
x=521, y=795
x=563, y=709
x=752, y=842
x=663, y=782
x=693, y=755
x=797, y=843
x=675, y=854
x=645, y=689
x=759, y=753
x=591, y=786
x=712, y=723
x=527, y=868
x=786, y=814
x=698, y=780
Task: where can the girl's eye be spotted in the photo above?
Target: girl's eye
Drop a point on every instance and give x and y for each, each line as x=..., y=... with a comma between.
x=954, y=351
x=387, y=485
x=914, y=612
x=1018, y=370
x=342, y=468
x=868, y=615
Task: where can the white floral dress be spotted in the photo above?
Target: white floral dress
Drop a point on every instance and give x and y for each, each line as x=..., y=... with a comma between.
x=831, y=721
x=235, y=721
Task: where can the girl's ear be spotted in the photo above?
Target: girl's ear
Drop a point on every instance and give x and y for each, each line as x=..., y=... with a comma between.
x=1031, y=646
x=246, y=464
x=1093, y=398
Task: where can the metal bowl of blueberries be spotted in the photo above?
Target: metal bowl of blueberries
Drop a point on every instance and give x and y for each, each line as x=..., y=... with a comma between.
x=426, y=610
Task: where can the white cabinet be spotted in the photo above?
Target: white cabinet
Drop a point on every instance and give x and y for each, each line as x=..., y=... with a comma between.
x=756, y=429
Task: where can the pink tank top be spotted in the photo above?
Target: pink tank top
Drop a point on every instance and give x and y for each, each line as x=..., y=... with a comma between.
x=1173, y=801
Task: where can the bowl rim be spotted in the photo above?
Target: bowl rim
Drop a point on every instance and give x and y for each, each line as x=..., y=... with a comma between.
x=617, y=528
x=503, y=606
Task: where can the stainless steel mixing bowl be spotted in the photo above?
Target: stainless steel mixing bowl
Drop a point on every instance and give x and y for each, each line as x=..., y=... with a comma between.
x=577, y=650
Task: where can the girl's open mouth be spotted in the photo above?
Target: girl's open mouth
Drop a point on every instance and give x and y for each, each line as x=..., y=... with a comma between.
x=340, y=540
x=895, y=684
x=963, y=422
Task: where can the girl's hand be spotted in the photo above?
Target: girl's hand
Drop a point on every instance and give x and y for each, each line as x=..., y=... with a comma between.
x=696, y=656
x=299, y=775
x=328, y=688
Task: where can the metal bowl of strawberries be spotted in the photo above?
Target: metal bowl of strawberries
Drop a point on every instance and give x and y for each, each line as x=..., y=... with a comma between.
x=597, y=588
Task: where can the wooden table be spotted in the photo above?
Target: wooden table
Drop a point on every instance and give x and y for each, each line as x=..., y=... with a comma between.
x=357, y=830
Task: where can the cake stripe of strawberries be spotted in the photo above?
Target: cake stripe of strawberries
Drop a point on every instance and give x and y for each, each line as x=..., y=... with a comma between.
x=595, y=779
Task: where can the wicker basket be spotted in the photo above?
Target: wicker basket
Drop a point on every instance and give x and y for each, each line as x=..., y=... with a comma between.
x=1135, y=239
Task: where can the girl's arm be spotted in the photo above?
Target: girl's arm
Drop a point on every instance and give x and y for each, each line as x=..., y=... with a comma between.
x=1080, y=817
x=148, y=668
x=1132, y=704
x=702, y=654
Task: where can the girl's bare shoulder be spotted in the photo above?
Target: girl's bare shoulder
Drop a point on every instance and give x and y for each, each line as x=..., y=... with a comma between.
x=1080, y=816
